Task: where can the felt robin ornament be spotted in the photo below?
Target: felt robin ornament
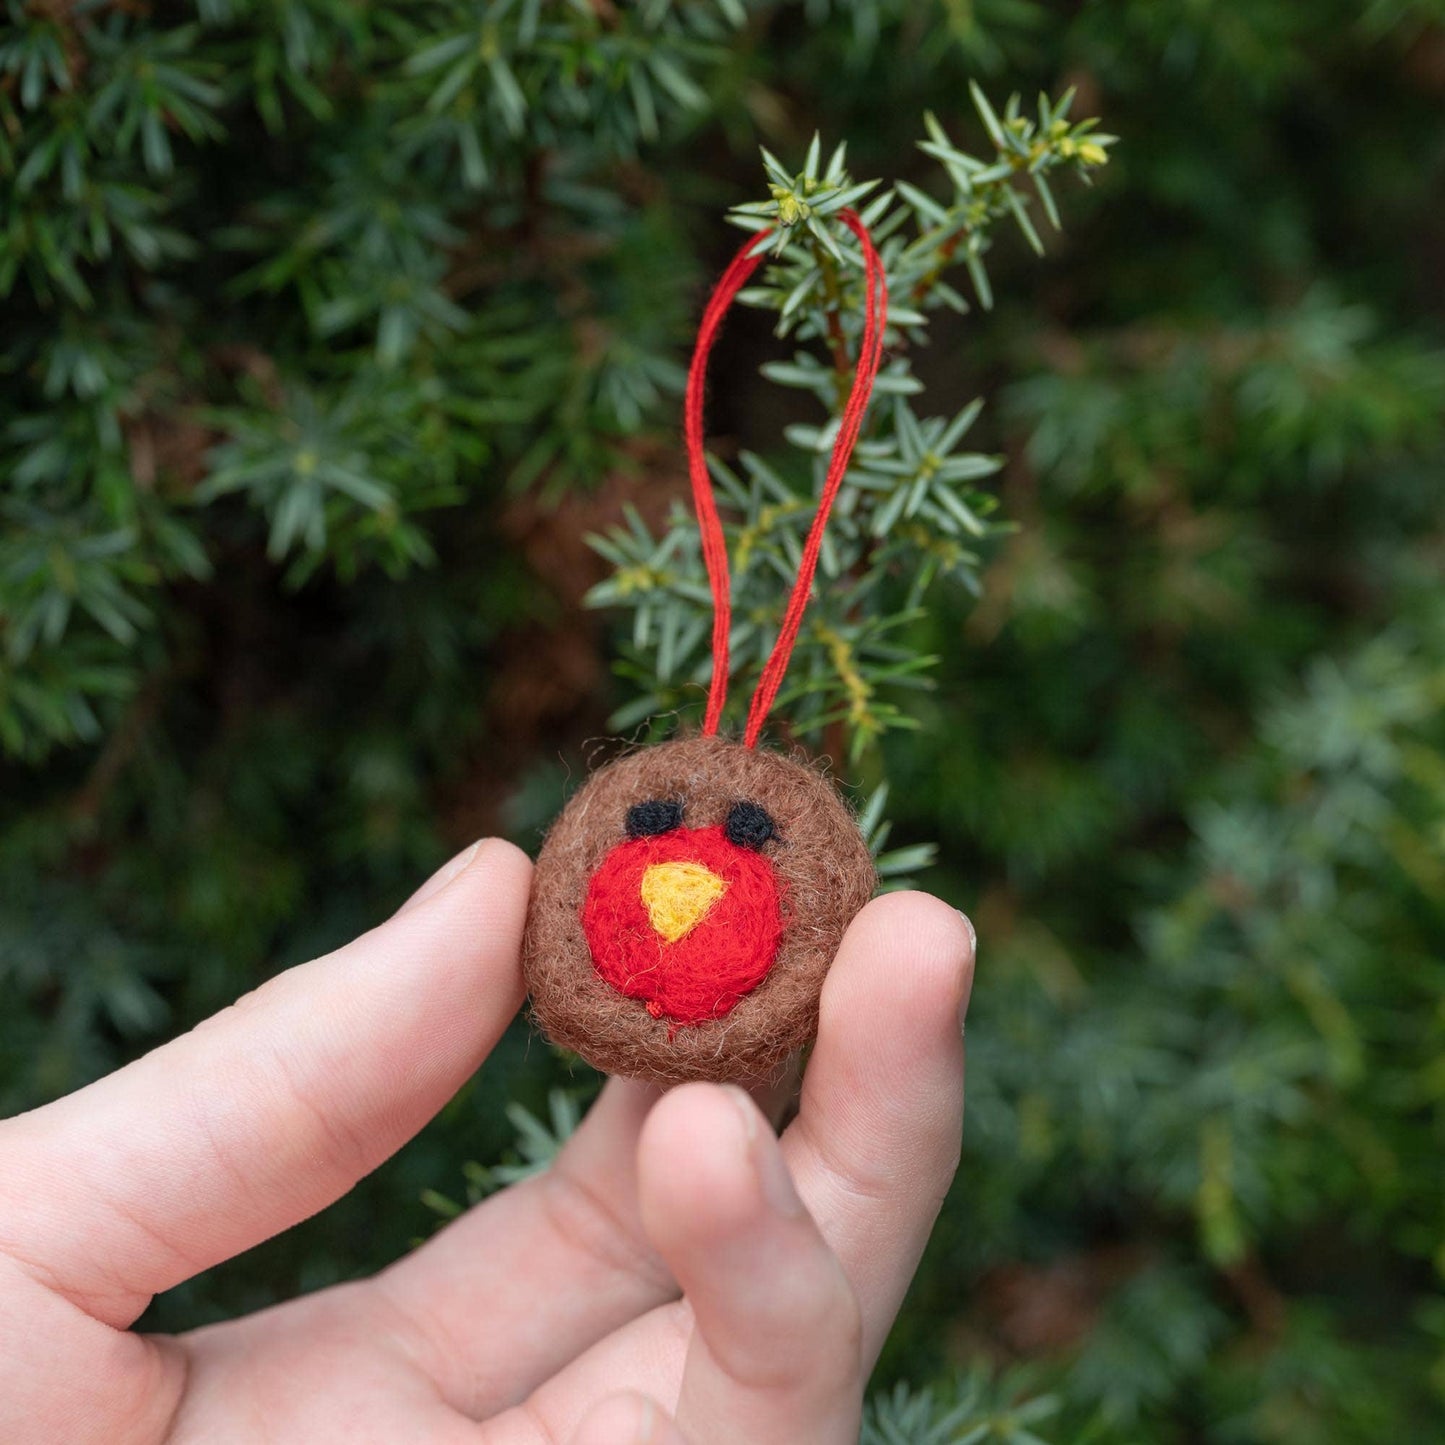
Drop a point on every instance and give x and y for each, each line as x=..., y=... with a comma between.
x=690, y=897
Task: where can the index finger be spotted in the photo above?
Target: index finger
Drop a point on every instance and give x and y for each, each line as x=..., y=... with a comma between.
x=273, y=1108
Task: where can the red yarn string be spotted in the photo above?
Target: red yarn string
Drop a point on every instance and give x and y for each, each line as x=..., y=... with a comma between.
x=870, y=354
x=714, y=548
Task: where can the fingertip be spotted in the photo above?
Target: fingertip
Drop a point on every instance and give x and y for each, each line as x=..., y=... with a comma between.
x=474, y=907
x=692, y=1159
x=500, y=867
x=689, y=1110
x=502, y=854
x=629, y=1419
x=929, y=951
x=883, y=1095
x=921, y=920
x=503, y=864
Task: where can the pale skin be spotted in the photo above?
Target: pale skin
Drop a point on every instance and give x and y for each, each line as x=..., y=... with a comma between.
x=680, y=1276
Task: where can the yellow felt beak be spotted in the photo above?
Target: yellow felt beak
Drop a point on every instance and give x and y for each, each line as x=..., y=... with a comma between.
x=678, y=896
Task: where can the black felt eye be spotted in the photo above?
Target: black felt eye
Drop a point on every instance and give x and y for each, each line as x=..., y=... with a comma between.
x=656, y=815
x=749, y=826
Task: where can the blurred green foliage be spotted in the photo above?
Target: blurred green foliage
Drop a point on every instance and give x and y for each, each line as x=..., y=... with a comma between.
x=328, y=332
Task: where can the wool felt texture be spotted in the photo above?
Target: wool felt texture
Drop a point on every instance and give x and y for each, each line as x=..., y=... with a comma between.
x=691, y=897
x=687, y=921
x=821, y=872
x=657, y=815
x=677, y=896
x=749, y=826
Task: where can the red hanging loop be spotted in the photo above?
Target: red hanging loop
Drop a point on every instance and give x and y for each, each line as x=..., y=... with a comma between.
x=714, y=546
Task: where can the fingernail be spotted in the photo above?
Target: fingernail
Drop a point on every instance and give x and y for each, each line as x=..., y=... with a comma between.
x=767, y=1159
x=972, y=931
x=747, y=1111
x=440, y=878
x=968, y=972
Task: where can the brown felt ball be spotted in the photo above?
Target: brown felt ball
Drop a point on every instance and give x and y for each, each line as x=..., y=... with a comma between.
x=704, y=798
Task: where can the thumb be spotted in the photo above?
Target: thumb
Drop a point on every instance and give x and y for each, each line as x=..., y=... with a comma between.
x=273, y=1108
x=629, y=1419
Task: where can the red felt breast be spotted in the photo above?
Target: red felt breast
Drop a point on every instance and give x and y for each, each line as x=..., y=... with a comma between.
x=704, y=973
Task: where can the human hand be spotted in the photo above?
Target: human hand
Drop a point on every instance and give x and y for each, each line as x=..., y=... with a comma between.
x=678, y=1274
